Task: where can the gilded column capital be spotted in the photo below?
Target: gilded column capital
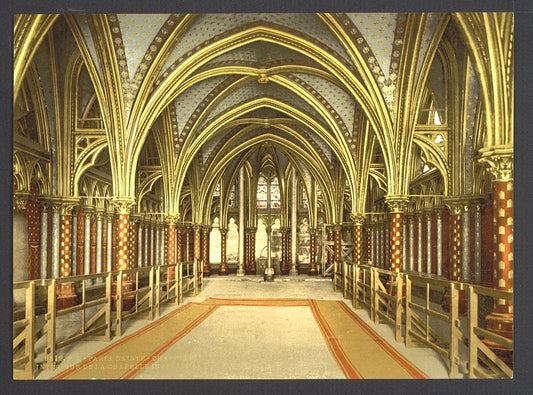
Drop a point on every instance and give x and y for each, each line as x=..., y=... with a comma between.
x=500, y=162
x=397, y=203
x=312, y=231
x=100, y=214
x=358, y=219
x=223, y=231
x=21, y=200
x=123, y=204
x=45, y=203
x=171, y=219
x=455, y=204
x=197, y=228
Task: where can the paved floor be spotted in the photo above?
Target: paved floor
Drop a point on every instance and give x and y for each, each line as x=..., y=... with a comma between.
x=242, y=343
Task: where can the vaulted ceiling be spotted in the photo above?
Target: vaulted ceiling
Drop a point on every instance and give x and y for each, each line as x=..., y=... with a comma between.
x=169, y=92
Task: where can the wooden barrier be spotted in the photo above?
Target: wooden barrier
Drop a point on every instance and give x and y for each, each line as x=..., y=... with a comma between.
x=131, y=292
x=387, y=295
x=23, y=332
x=494, y=367
x=167, y=287
x=418, y=328
x=90, y=325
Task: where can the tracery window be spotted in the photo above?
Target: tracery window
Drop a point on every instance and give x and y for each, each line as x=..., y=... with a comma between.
x=262, y=190
x=305, y=202
x=275, y=194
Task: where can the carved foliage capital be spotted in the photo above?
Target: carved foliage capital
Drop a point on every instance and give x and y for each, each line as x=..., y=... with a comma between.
x=358, y=219
x=21, y=200
x=172, y=219
x=500, y=163
x=397, y=203
x=123, y=204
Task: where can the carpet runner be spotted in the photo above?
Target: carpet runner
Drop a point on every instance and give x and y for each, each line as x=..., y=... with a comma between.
x=359, y=351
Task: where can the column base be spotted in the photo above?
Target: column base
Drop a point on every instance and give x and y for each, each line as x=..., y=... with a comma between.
x=240, y=271
x=207, y=271
x=294, y=272
x=312, y=272
x=127, y=301
x=500, y=324
x=223, y=271
x=65, y=296
x=285, y=271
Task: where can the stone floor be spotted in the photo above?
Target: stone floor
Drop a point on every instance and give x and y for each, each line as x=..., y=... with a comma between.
x=240, y=343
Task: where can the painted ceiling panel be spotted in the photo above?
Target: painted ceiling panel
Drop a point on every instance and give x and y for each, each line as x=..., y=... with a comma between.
x=187, y=102
x=209, y=25
x=262, y=52
x=84, y=27
x=253, y=89
x=339, y=99
x=431, y=25
x=138, y=31
x=378, y=31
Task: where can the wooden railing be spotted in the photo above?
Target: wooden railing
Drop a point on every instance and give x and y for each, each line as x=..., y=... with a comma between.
x=390, y=298
x=23, y=332
x=419, y=328
x=104, y=301
x=478, y=351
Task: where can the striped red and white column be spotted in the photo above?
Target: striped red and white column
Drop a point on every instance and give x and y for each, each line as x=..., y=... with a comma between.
x=358, y=221
x=223, y=271
x=313, y=270
x=397, y=205
x=206, y=230
x=123, y=207
x=171, y=220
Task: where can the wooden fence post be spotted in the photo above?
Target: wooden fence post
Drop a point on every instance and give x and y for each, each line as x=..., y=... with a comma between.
x=399, y=309
x=407, y=311
x=454, y=325
x=108, y=306
x=29, y=342
x=51, y=327
x=472, y=338
x=118, y=329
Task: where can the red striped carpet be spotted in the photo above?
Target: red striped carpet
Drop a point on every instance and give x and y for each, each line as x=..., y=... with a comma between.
x=359, y=351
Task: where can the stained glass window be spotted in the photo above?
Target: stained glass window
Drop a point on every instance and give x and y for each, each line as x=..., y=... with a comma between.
x=305, y=202
x=261, y=192
x=275, y=194
x=217, y=190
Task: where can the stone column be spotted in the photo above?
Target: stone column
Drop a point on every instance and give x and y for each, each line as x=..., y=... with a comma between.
x=284, y=255
x=368, y=234
x=253, y=269
x=197, y=229
x=133, y=237
x=313, y=270
x=171, y=221
x=104, y=241
x=93, y=242
x=247, y=251
x=179, y=251
x=123, y=206
x=294, y=226
x=140, y=244
x=205, y=250
x=80, y=241
x=429, y=263
x=358, y=220
x=455, y=241
x=501, y=320
x=439, y=242
x=240, y=269
x=223, y=271
x=419, y=241
x=373, y=243
x=397, y=205
x=152, y=243
x=99, y=221
x=65, y=292
x=56, y=210
x=477, y=241
x=411, y=220
x=465, y=242
x=87, y=214
x=44, y=237
x=109, y=259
